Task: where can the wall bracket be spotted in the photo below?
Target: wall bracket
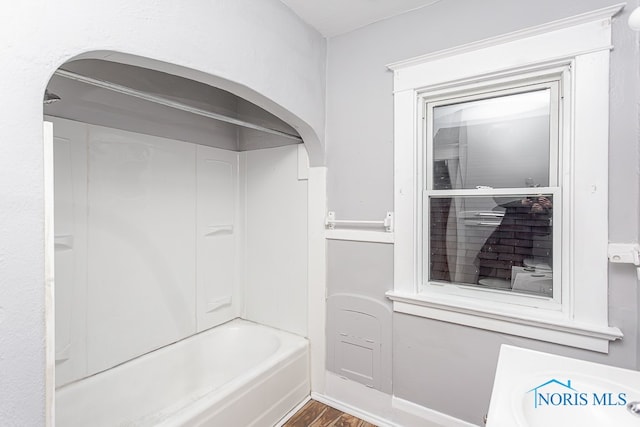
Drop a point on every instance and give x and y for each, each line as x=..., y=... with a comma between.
x=625, y=253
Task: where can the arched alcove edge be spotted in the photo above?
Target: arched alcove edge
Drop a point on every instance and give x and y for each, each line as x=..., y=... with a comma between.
x=317, y=196
x=311, y=139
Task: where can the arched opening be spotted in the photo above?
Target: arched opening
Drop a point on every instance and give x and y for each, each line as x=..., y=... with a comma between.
x=179, y=206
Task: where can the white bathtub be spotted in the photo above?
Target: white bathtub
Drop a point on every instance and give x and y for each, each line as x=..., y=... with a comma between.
x=237, y=374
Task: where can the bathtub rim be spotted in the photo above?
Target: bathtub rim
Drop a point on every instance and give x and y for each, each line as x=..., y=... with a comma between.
x=290, y=348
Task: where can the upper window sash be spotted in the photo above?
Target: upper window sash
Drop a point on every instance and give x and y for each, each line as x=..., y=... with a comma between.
x=429, y=102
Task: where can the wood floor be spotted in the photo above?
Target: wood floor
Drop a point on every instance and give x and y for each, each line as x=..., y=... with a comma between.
x=316, y=414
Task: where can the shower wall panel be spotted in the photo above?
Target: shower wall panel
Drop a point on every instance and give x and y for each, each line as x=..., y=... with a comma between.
x=70, y=188
x=218, y=297
x=142, y=244
x=276, y=238
x=159, y=239
x=147, y=244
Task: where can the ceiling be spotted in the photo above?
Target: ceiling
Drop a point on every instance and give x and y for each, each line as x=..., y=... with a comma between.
x=335, y=17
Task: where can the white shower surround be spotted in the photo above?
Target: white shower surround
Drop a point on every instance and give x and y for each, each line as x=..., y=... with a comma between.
x=239, y=373
x=258, y=50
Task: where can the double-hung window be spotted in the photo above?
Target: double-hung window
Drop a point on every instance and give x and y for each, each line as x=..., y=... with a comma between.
x=501, y=184
x=490, y=176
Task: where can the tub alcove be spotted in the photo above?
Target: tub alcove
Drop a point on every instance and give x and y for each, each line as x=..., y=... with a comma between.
x=181, y=248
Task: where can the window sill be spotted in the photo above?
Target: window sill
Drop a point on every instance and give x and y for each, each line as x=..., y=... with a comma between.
x=549, y=327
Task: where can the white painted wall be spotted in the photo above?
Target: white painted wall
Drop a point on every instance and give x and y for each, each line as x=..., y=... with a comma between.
x=427, y=353
x=258, y=50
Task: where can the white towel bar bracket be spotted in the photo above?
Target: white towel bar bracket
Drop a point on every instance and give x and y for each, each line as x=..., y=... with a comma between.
x=625, y=253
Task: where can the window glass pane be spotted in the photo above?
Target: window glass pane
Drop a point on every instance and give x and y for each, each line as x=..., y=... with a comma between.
x=500, y=242
x=500, y=142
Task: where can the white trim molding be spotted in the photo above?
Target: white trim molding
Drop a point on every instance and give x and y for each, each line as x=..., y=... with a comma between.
x=427, y=414
x=580, y=46
x=317, y=275
x=360, y=236
x=515, y=322
x=49, y=275
x=603, y=15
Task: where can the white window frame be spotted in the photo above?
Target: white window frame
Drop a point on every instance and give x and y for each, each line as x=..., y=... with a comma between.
x=579, y=47
x=548, y=78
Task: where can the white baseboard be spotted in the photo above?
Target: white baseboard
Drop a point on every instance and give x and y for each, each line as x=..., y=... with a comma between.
x=351, y=410
x=430, y=415
x=379, y=408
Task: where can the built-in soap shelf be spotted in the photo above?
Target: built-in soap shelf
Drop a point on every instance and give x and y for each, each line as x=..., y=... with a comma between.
x=218, y=229
x=63, y=242
x=63, y=354
x=216, y=303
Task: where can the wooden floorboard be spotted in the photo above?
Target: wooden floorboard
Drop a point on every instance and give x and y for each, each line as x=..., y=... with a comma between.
x=316, y=414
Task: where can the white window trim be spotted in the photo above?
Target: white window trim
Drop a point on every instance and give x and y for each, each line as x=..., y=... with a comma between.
x=583, y=42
